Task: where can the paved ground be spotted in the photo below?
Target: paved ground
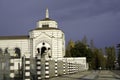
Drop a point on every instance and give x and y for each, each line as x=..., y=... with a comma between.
x=91, y=75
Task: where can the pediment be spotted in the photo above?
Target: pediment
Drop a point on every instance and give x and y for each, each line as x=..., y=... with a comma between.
x=43, y=37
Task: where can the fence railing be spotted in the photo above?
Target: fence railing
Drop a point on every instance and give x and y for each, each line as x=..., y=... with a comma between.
x=38, y=68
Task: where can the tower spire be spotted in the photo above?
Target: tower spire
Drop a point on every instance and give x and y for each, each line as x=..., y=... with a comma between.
x=47, y=13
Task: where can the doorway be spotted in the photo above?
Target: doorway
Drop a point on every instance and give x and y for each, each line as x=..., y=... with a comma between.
x=43, y=49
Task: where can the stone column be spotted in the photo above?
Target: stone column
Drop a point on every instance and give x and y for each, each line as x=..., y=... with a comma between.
x=56, y=68
x=12, y=74
x=47, y=69
x=38, y=67
x=27, y=68
x=68, y=67
x=64, y=67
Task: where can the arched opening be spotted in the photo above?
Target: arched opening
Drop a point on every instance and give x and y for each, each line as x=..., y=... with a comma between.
x=6, y=51
x=43, y=49
x=38, y=50
x=17, y=53
x=49, y=53
x=1, y=51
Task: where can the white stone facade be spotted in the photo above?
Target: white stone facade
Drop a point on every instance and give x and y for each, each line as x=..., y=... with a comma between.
x=52, y=39
x=11, y=43
x=79, y=60
x=46, y=39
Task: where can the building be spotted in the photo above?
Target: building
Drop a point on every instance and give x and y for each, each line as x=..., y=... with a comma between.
x=27, y=55
x=46, y=39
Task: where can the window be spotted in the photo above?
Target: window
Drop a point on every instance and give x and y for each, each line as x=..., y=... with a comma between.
x=38, y=50
x=17, y=53
x=45, y=26
x=6, y=51
x=1, y=51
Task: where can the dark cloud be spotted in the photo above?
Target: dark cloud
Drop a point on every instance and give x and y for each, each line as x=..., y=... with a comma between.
x=97, y=19
x=93, y=8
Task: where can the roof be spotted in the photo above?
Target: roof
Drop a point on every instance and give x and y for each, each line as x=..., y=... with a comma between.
x=47, y=19
x=49, y=28
x=14, y=37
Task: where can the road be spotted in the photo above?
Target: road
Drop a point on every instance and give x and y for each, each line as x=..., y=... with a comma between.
x=91, y=75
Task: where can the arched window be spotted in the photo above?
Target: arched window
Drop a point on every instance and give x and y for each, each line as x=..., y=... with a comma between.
x=1, y=51
x=17, y=53
x=38, y=50
x=49, y=53
x=6, y=51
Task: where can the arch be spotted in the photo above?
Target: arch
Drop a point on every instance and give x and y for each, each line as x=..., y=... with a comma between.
x=6, y=51
x=49, y=53
x=41, y=40
x=17, y=52
x=43, y=49
x=1, y=51
x=38, y=50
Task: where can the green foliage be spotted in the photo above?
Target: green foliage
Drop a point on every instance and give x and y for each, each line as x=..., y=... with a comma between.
x=98, y=59
x=110, y=52
x=119, y=58
x=118, y=46
x=84, y=40
x=69, y=47
x=95, y=57
x=80, y=50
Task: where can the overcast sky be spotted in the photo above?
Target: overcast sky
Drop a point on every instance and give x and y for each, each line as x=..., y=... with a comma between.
x=97, y=19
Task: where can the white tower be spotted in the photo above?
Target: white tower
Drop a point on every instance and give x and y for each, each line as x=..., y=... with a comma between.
x=47, y=22
x=47, y=39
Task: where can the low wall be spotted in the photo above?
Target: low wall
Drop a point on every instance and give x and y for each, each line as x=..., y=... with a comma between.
x=30, y=68
x=60, y=66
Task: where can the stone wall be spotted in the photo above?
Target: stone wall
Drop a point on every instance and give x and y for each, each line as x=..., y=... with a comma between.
x=38, y=68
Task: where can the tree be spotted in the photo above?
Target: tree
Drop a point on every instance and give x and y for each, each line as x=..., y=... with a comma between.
x=118, y=46
x=69, y=47
x=84, y=40
x=92, y=45
x=111, y=57
x=119, y=59
x=94, y=56
x=98, y=59
x=79, y=50
x=102, y=59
